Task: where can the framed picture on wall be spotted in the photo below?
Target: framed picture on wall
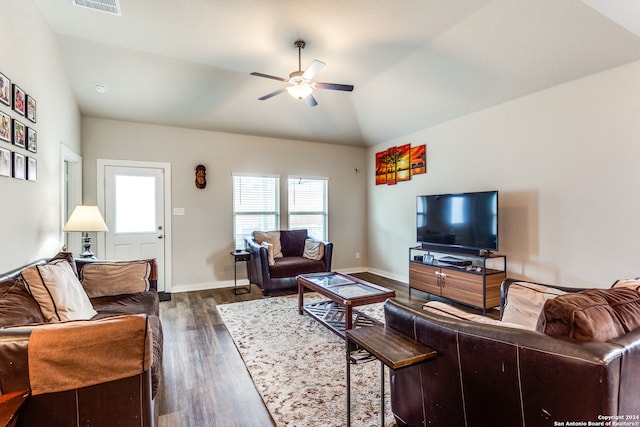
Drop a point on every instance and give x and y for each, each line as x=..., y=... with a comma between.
x=32, y=140
x=32, y=168
x=5, y=162
x=19, y=133
x=31, y=108
x=19, y=100
x=5, y=127
x=19, y=166
x=5, y=89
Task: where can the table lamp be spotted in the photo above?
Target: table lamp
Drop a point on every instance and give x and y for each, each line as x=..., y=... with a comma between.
x=86, y=218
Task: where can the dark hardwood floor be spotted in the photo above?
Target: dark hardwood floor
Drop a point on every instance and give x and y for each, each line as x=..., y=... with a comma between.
x=205, y=382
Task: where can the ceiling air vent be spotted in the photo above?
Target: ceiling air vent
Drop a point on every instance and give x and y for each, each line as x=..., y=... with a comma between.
x=109, y=6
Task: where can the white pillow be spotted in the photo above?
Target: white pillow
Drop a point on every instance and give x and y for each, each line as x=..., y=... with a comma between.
x=58, y=292
x=313, y=249
x=269, y=247
x=525, y=301
x=451, y=311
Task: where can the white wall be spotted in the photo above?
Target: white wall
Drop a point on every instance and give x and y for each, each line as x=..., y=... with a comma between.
x=565, y=163
x=202, y=238
x=30, y=211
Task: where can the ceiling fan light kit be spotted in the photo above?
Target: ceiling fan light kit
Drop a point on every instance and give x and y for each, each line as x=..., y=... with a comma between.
x=300, y=85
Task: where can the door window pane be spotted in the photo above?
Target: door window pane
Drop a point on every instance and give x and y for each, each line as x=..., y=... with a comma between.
x=135, y=204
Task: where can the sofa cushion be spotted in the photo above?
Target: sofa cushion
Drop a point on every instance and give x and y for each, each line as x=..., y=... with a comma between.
x=117, y=305
x=293, y=265
x=116, y=278
x=525, y=301
x=58, y=292
x=625, y=303
x=66, y=256
x=585, y=316
x=313, y=249
x=272, y=237
x=293, y=242
x=17, y=307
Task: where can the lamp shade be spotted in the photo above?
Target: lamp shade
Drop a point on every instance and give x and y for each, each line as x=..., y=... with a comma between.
x=300, y=91
x=85, y=218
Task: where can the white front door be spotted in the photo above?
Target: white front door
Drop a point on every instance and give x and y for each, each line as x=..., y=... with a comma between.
x=134, y=210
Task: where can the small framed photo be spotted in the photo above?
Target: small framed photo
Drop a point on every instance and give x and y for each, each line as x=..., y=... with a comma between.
x=32, y=140
x=32, y=169
x=18, y=100
x=19, y=167
x=19, y=133
x=5, y=127
x=31, y=108
x=5, y=162
x=5, y=90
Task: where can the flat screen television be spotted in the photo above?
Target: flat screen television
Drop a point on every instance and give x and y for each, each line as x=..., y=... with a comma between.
x=463, y=222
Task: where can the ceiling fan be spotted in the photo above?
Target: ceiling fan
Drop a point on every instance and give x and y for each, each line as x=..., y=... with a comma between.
x=299, y=84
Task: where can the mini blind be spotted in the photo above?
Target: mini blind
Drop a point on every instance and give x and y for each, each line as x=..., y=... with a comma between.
x=308, y=206
x=256, y=206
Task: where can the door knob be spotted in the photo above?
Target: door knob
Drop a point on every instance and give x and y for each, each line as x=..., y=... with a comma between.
x=160, y=236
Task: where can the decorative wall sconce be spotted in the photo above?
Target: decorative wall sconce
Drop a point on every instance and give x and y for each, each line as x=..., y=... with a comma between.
x=201, y=176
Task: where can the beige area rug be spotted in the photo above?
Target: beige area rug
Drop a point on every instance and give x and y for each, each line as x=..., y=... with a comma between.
x=299, y=366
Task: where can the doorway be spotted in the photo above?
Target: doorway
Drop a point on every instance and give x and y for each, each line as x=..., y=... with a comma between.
x=135, y=200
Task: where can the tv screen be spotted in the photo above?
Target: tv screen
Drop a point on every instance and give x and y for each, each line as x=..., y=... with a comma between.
x=468, y=221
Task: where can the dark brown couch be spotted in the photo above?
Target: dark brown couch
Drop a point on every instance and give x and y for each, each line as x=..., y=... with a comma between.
x=487, y=374
x=124, y=401
x=282, y=275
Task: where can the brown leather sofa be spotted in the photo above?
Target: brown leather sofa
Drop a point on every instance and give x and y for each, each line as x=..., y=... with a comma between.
x=490, y=374
x=282, y=274
x=122, y=401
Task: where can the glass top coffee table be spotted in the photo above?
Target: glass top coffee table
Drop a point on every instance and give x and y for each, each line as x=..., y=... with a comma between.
x=344, y=293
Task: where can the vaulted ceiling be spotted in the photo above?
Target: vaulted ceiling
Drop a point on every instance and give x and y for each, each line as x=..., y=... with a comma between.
x=414, y=63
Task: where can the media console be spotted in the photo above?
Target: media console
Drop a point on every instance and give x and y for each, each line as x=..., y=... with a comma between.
x=469, y=279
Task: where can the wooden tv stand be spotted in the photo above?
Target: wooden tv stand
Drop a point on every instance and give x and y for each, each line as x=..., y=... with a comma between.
x=469, y=279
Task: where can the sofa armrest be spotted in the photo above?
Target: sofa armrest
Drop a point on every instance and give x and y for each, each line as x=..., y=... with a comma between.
x=259, y=263
x=328, y=254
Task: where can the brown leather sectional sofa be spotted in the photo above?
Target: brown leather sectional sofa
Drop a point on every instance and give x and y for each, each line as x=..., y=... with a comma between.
x=130, y=359
x=489, y=374
x=282, y=274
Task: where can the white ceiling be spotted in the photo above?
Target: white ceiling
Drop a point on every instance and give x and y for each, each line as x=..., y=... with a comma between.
x=414, y=63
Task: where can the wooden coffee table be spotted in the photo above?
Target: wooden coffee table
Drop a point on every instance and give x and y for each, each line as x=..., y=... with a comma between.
x=344, y=292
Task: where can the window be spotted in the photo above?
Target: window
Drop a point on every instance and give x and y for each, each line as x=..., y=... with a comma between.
x=308, y=206
x=256, y=206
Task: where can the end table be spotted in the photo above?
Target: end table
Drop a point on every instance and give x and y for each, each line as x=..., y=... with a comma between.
x=10, y=405
x=391, y=348
x=240, y=256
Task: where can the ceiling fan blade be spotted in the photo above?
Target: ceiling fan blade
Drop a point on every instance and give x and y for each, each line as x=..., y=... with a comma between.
x=272, y=94
x=334, y=86
x=311, y=101
x=268, y=76
x=312, y=69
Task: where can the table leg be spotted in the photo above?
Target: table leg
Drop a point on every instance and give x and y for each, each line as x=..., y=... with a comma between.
x=300, y=297
x=349, y=320
x=381, y=394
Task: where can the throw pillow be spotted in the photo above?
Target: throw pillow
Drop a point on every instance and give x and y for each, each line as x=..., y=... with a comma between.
x=269, y=247
x=58, y=292
x=272, y=237
x=525, y=301
x=116, y=278
x=451, y=311
x=579, y=317
x=313, y=249
x=66, y=256
x=627, y=283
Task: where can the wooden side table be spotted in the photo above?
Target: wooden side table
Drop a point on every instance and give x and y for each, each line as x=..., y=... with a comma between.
x=10, y=405
x=391, y=348
x=240, y=256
